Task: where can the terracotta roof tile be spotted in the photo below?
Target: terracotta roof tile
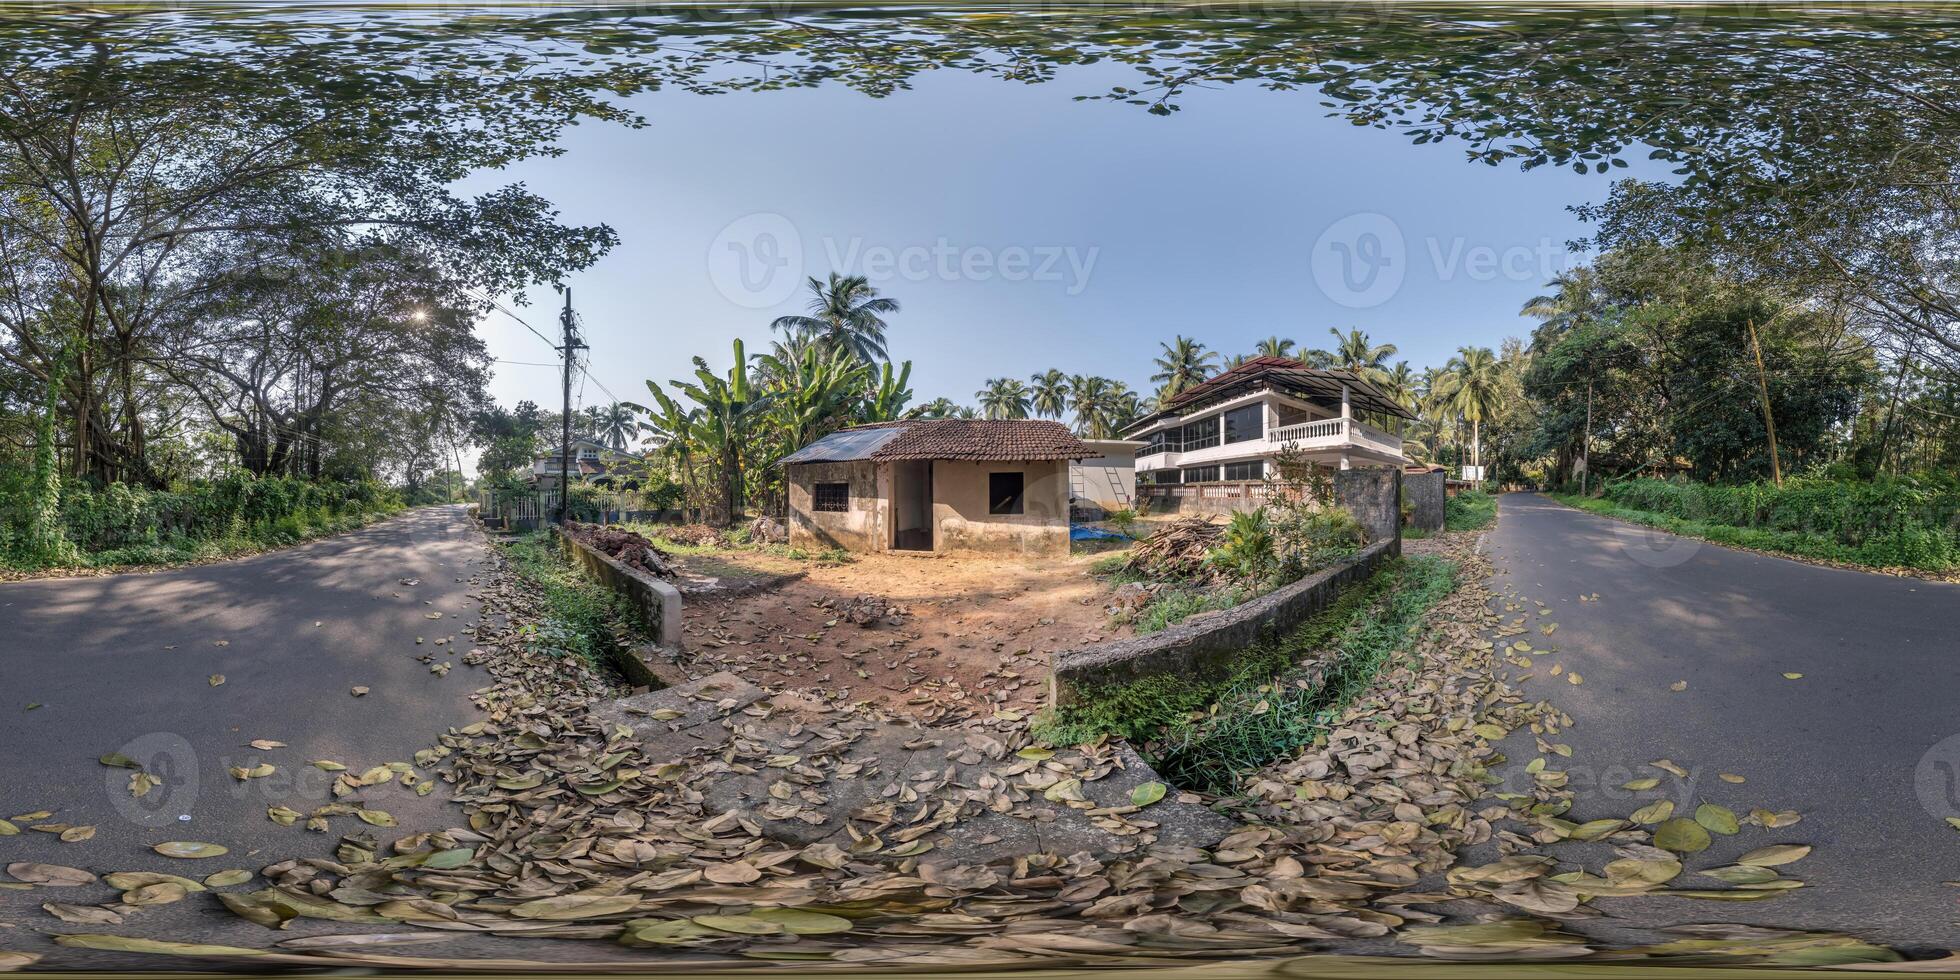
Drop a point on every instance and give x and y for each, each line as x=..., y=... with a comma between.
x=984, y=439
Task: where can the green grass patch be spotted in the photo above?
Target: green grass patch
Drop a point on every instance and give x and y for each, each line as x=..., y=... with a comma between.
x=1173, y=606
x=1882, y=553
x=1208, y=736
x=1471, y=510
x=581, y=618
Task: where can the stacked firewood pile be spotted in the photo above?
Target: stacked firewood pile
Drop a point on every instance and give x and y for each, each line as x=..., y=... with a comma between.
x=1177, y=551
x=626, y=547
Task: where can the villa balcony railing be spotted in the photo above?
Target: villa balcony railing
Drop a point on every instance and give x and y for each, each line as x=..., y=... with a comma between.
x=1334, y=434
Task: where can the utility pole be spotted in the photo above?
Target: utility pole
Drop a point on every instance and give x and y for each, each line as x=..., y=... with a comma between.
x=570, y=351
x=1762, y=389
x=1585, y=444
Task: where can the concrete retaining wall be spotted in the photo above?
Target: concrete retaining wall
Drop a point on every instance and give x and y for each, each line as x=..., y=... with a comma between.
x=1207, y=650
x=1424, y=493
x=1374, y=496
x=658, y=601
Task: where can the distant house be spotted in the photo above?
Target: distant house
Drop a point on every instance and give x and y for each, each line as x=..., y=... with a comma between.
x=592, y=462
x=1216, y=438
x=976, y=486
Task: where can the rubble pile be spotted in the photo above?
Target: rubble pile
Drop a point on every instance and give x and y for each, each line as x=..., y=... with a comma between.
x=626, y=547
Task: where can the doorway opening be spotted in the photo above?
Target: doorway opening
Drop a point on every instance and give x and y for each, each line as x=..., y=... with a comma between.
x=912, y=505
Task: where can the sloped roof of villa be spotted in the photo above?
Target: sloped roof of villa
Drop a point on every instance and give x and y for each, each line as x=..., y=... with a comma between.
x=1285, y=374
x=967, y=439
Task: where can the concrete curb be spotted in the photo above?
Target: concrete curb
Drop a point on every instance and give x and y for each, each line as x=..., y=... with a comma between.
x=659, y=602
x=1208, y=650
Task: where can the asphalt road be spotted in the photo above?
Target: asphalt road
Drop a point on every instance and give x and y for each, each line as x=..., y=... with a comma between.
x=1865, y=745
x=124, y=663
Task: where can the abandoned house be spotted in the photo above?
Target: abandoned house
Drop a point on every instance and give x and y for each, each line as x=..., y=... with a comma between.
x=976, y=486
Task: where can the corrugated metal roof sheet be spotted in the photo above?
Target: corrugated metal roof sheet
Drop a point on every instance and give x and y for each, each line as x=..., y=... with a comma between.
x=844, y=446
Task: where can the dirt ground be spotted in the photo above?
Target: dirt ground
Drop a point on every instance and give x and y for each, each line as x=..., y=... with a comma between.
x=972, y=636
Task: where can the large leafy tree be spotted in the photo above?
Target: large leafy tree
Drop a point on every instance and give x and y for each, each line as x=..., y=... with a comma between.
x=142, y=159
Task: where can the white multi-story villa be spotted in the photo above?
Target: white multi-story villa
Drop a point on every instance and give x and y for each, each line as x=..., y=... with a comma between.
x=1216, y=438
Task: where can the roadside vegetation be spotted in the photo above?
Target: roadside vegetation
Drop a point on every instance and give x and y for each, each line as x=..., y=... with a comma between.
x=1887, y=523
x=579, y=617
x=1470, y=510
x=1196, y=565
x=125, y=525
x=1279, y=698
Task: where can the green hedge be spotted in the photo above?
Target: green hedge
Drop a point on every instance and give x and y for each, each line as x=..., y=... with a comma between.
x=1892, y=522
x=122, y=524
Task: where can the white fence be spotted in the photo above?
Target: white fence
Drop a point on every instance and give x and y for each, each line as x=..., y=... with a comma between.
x=541, y=507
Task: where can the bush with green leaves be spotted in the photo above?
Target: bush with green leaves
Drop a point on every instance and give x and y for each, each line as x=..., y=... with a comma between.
x=1886, y=522
x=1470, y=510
x=124, y=524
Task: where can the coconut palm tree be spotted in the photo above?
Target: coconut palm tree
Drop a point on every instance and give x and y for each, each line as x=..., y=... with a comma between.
x=1574, y=298
x=1400, y=383
x=846, y=312
x=618, y=422
x=1003, y=398
x=1092, y=404
x=1275, y=346
x=1048, y=393
x=1183, y=364
x=1353, y=351
x=941, y=408
x=1472, y=391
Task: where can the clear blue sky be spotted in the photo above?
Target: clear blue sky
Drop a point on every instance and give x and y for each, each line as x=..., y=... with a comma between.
x=1207, y=223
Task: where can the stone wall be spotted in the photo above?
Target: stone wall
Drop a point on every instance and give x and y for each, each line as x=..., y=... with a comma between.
x=1374, y=496
x=864, y=527
x=1424, y=493
x=659, y=602
x=1207, y=651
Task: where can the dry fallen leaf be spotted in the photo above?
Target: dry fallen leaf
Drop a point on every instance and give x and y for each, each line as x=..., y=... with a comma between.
x=217, y=679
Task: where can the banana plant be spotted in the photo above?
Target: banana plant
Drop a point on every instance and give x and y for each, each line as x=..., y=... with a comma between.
x=731, y=411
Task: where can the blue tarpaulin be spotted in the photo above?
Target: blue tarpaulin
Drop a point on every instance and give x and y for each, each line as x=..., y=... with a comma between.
x=1085, y=532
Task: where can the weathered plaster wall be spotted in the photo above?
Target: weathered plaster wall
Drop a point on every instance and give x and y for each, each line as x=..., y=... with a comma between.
x=864, y=527
x=1109, y=481
x=1424, y=492
x=1207, y=651
x=959, y=509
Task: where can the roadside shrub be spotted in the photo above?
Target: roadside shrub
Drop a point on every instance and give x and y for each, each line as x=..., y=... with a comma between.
x=580, y=618
x=1306, y=540
x=1470, y=510
x=1245, y=551
x=1886, y=522
x=111, y=524
x=1121, y=520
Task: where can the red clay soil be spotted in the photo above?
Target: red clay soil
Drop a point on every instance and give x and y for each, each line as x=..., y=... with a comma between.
x=936, y=639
